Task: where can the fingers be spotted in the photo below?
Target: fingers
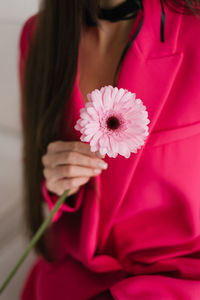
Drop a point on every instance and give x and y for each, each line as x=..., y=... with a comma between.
x=68, y=165
x=68, y=171
x=73, y=158
x=73, y=184
x=75, y=146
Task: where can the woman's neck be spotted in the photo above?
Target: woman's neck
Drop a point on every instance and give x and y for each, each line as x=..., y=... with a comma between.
x=109, y=34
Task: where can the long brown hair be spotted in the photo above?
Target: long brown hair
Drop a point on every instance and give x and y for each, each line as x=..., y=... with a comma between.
x=49, y=76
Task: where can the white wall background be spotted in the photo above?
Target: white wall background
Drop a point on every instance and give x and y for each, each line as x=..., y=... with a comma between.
x=13, y=13
x=17, y=10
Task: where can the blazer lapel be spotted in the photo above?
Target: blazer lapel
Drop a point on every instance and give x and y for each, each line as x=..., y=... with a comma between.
x=152, y=81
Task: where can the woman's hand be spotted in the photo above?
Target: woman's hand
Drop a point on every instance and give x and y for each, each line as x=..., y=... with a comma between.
x=68, y=165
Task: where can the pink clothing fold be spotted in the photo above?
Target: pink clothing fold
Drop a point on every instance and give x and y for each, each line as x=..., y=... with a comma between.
x=135, y=229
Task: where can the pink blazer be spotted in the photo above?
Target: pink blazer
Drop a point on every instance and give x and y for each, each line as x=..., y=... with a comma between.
x=135, y=229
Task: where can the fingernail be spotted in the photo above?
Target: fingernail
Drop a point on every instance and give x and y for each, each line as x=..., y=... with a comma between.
x=97, y=171
x=102, y=165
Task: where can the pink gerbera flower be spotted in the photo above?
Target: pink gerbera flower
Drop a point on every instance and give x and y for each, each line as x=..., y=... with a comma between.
x=113, y=121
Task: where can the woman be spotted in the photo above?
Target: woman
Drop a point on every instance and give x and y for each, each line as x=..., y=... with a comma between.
x=133, y=230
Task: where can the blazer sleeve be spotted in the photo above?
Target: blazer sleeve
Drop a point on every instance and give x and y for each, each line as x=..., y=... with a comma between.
x=73, y=202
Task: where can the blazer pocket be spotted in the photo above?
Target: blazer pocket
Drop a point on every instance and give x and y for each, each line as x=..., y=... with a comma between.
x=162, y=137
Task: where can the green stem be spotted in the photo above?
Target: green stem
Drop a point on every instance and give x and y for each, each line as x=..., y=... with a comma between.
x=35, y=238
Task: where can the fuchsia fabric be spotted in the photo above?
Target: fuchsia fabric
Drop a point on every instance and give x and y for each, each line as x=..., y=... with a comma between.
x=134, y=230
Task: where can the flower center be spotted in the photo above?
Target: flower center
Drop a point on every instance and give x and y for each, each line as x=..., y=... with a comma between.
x=113, y=123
